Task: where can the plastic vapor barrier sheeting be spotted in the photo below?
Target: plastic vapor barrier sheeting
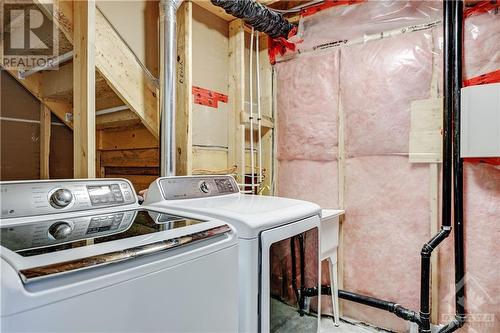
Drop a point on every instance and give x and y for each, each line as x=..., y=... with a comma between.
x=373, y=71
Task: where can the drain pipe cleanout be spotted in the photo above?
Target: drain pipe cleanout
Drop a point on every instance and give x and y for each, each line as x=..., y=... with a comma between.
x=168, y=54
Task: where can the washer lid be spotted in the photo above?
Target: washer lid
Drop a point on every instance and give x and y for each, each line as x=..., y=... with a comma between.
x=48, y=248
x=249, y=214
x=53, y=235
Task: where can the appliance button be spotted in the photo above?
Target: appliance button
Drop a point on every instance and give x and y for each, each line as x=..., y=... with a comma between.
x=204, y=187
x=61, y=198
x=60, y=230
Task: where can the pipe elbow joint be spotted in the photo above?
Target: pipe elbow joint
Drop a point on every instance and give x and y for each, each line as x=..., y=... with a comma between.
x=426, y=250
x=175, y=3
x=406, y=314
x=461, y=319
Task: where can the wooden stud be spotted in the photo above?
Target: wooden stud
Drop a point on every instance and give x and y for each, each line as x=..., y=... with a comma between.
x=236, y=90
x=45, y=123
x=434, y=173
x=184, y=100
x=84, y=158
x=341, y=203
x=434, y=227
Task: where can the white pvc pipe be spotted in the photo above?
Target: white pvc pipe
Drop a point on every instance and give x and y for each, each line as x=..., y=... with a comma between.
x=112, y=110
x=252, y=158
x=259, y=115
x=50, y=64
x=242, y=171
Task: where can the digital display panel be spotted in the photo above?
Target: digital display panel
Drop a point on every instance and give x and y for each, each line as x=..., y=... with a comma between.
x=224, y=185
x=105, y=194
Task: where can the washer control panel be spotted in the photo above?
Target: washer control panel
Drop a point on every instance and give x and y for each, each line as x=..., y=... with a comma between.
x=53, y=232
x=174, y=188
x=29, y=198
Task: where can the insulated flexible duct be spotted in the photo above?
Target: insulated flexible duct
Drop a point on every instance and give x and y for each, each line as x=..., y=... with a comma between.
x=257, y=16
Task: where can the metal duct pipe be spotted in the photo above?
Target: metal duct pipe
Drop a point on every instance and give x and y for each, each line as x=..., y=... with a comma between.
x=257, y=16
x=168, y=54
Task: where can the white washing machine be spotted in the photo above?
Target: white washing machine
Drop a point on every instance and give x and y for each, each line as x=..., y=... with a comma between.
x=84, y=256
x=268, y=227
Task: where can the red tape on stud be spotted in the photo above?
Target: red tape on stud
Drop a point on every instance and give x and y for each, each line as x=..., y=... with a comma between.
x=208, y=97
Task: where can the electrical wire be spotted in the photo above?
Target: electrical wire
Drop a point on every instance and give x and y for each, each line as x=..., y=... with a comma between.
x=296, y=9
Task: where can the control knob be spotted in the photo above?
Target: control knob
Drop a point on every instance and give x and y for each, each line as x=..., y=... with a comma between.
x=60, y=230
x=61, y=198
x=204, y=187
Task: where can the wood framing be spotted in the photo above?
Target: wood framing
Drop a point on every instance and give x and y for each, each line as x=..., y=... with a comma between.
x=116, y=62
x=138, y=158
x=34, y=85
x=45, y=123
x=125, y=118
x=184, y=101
x=125, y=75
x=236, y=91
x=84, y=158
x=207, y=5
x=130, y=138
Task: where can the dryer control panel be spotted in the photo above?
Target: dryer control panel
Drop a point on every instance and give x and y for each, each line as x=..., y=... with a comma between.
x=30, y=198
x=174, y=188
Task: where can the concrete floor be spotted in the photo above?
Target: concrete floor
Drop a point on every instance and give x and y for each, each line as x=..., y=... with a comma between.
x=345, y=326
x=287, y=320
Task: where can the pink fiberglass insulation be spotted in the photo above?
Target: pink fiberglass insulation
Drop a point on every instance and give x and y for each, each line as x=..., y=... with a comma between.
x=307, y=108
x=387, y=222
x=482, y=231
x=379, y=80
x=309, y=180
x=482, y=246
x=387, y=199
x=481, y=44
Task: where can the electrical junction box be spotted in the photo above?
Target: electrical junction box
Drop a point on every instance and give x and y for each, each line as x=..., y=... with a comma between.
x=481, y=121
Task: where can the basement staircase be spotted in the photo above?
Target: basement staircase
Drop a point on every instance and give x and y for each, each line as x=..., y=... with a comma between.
x=127, y=110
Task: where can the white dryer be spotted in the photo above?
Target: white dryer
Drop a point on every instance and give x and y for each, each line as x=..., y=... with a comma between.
x=271, y=231
x=84, y=256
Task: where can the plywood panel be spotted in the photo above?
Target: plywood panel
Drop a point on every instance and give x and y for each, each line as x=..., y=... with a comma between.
x=20, y=150
x=134, y=138
x=16, y=101
x=210, y=71
x=61, y=152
